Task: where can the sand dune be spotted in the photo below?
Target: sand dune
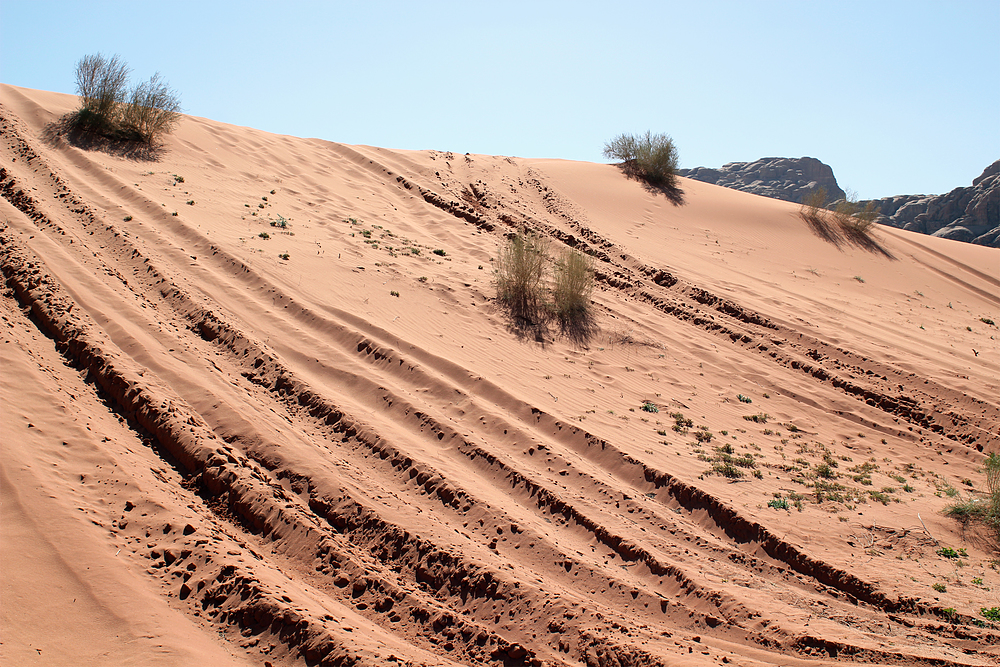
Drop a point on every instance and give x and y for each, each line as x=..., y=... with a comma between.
x=216, y=455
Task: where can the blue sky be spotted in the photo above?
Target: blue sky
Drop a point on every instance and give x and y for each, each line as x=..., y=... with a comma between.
x=898, y=97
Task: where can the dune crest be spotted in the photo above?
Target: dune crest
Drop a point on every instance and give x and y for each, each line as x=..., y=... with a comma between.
x=259, y=407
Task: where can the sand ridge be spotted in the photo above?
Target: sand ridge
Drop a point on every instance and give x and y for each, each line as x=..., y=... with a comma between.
x=351, y=476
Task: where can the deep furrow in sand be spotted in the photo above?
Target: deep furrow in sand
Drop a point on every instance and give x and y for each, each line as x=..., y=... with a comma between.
x=246, y=518
x=923, y=403
x=206, y=327
x=289, y=388
x=263, y=611
x=237, y=488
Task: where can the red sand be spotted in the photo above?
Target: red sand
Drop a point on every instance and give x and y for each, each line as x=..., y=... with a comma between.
x=212, y=455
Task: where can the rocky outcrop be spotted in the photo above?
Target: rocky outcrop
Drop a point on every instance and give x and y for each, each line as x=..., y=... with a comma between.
x=969, y=214
x=790, y=179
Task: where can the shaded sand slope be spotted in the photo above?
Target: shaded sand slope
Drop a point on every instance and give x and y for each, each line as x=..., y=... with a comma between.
x=349, y=456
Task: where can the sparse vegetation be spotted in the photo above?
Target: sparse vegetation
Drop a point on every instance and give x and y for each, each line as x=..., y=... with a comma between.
x=651, y=158
x=778, y=503
x=940, y=588
x=855, y=220
x=948, y=552
x=847, y=219
x=978, y=508
x=519, y=274
x=759, y=418
x=649, y=406
x=574, y=282
x=109, y=108
x=439, y=252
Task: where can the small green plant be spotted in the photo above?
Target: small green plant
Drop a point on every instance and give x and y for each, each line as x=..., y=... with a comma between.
x=703, y=435
x=440, y=252
x=414, y=251
x=948, y=552
x=859, y=279
x=986, y=320
x=778, y=503
x=127, y=218
x=649, y=406
x=759, y=418
x=284, y=256
x=174, y=214
x=190, y=202
x=422, y=279
x=990, y=614
x=744, y=399
x=825, y=471
x=949, y=613
x=940, y=588
x=178, y=179
x=281, y=222
x=727, y=469
x=681, y=423
x=393, y=293
x=264, y=235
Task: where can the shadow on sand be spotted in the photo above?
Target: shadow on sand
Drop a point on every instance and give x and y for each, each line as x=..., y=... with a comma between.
x=825, y=225
x=68, y=130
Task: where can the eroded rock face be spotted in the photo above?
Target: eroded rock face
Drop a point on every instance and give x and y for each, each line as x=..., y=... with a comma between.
x=790, y=179
x=970, y=214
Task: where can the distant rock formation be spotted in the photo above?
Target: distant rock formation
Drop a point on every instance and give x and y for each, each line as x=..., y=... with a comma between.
x=790, y=179
x=970, y=214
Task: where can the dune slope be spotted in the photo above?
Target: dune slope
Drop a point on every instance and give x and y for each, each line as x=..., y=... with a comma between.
x=259, y=406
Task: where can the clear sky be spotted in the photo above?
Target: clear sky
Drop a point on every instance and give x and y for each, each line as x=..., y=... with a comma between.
x=898, y=97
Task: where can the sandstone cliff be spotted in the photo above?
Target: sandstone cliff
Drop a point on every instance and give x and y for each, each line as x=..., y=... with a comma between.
x=970, y=214
x=965, y=214
x=790, y=179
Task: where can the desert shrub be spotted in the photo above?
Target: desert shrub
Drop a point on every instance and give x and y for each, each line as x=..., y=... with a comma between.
x=651, y=158
x=844, y=219
x=814, y=202
x=574, y=282
x=854, y=219
x=102, y=85
x=151, y=111
x=110, y=108
x=778, y=503
x=983, y=509
x=519, y=274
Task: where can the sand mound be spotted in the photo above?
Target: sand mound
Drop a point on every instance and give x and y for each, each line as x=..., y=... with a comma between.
x=259, y=407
